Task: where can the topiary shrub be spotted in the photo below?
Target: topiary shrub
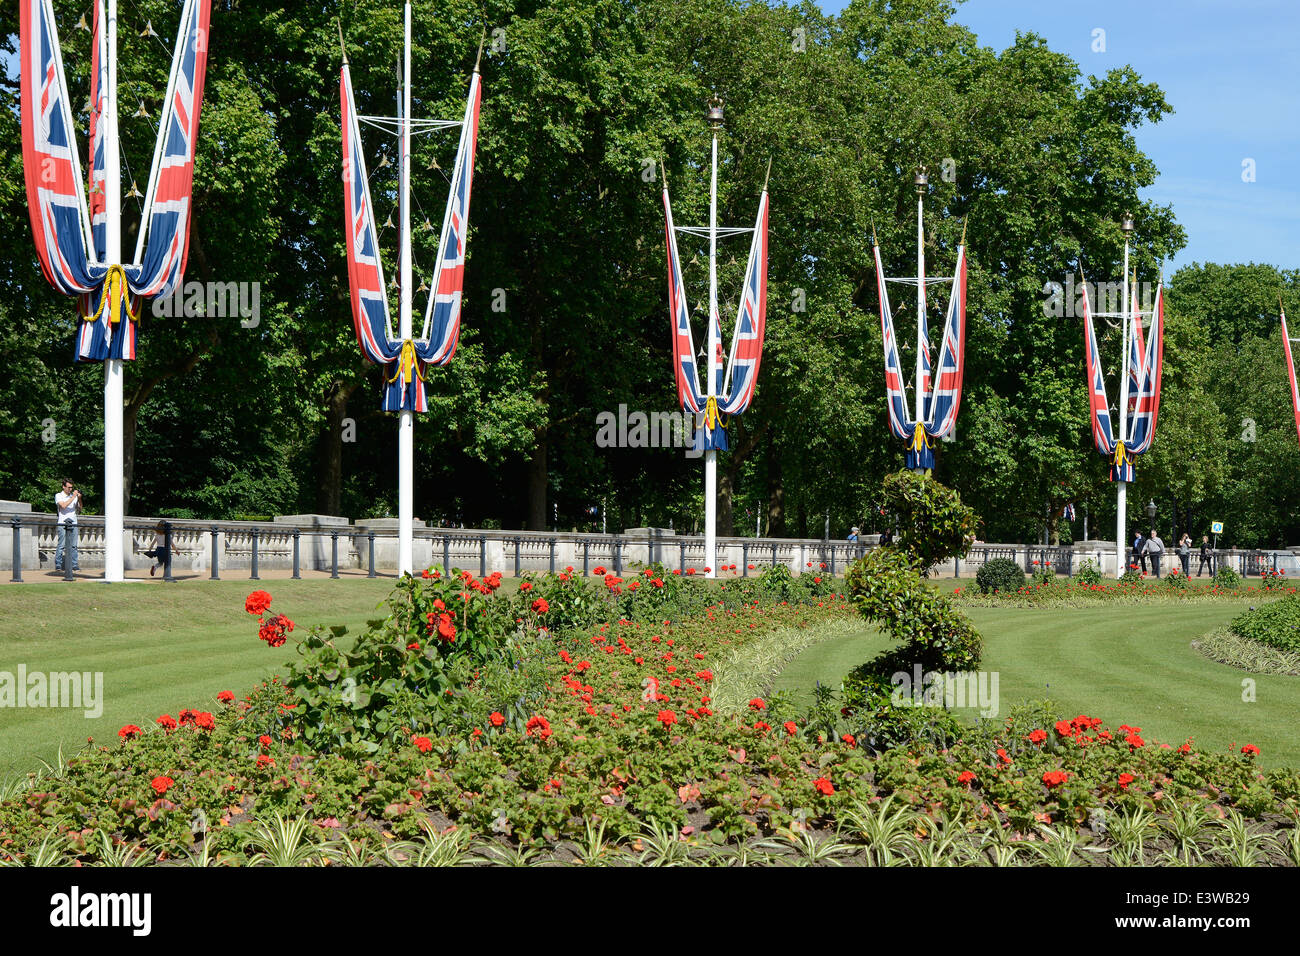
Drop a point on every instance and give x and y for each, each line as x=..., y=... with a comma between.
x=934, y=525
x=1000, y=574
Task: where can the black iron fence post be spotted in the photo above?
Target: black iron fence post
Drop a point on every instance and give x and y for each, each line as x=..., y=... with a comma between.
x=297, y=560
x=773, y=554
x=586, y=556
x=681, y=556
x=167, y=551
x=334, y=554
x=482, y=555
x=17, y=532
x=446, y=554
x=618, y=556
x=214, y=572
x=370, y=539
x=552, y=555
x=516, y=556
x=253, y=576
x=744, y=559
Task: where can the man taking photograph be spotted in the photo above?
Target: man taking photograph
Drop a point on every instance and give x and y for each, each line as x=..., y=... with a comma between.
x=68, y=504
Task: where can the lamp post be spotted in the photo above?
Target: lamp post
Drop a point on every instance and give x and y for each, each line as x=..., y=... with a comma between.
x=1121, y=493
x=1151, y=516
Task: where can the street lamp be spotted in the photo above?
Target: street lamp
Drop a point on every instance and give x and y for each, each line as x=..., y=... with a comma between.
x=1151, y=514
x=1126, y=224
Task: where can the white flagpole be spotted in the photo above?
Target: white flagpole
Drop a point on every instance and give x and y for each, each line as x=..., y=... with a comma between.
x=114, y=503
x=405, y=417
x=920, y=292
x=1121, y=493
x=711, y=455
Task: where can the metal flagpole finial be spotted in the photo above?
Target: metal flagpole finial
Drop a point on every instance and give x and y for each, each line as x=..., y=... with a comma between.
x=478, y=57
x=663, y=173
x=873, y=233
x=342, y=46
x=714, y=113
x=768, y=175
x=962, y=242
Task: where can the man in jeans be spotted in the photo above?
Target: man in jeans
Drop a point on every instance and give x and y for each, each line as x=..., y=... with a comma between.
x=1154, y=549
x=1207, y=556
x=68, y=504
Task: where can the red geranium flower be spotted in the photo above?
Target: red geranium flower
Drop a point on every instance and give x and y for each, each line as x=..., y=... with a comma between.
x=497, y=718
x=264, y=740
x=161, y=784
x=538, y=726
x=667, y=717
x=966, y=776
x=1125, y=779
x=1250, y=749
x=166, y=722
x=422, y=744
x=257, y=602
x=1037, y=736
x=757, y=704
x=129, y=731
x=226, y=696
x=264, y=761
x=824, y=786
x=790, y=727
x=1054, y=778
x=540, y=606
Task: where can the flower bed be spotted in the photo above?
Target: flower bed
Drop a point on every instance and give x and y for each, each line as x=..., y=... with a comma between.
x=1137, y=589
x=616, y=737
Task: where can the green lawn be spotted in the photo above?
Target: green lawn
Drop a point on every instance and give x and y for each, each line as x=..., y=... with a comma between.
x=1128, y=665
x=160, y=648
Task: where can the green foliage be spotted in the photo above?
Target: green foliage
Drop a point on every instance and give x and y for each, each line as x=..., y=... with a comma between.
x=934, y=525
x=1276, y=624
x=887, y=588
x=1088, y=573
x=1000, y=575
x=1227, y=578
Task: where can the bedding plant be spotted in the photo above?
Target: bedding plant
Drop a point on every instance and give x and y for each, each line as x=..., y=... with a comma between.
x=539, y=735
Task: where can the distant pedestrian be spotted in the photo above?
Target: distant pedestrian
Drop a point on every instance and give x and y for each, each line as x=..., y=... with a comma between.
x=68, y=504
x=1154, y=549
x=853, y=534
x=886, y=536
x=1137, y=557
x=1185, y=553
x=1207, y=556
x=159, y=549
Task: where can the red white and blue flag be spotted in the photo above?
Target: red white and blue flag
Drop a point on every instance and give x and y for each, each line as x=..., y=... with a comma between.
x=404, y=363
x=941, y=392
x=1146, y=358
x=1290, y=368
x=733, y=388
x=71, y=234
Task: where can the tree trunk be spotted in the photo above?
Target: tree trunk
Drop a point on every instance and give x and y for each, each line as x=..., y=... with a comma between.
x=726, y=515
x=130, y=416
x=329, y=489
x=537, y=476
x=775, y=496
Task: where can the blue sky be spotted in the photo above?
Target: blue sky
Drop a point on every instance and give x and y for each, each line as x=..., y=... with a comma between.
x=1229, y=69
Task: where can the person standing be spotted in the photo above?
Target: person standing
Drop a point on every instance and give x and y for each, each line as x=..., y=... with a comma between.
x=158, y=551
x=853, y=534
x=1185, y=553
x=1155, y=548
x=68, y=505
x=1138, y=557
x=1207, y=556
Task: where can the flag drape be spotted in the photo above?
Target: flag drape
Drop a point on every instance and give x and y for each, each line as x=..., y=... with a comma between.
x=405, y=362
x=1290, y=368
x=71, y=234
x=940, y=384
x=737, y=375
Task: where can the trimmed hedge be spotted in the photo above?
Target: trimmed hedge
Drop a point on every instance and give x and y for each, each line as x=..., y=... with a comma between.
x=1000, y=574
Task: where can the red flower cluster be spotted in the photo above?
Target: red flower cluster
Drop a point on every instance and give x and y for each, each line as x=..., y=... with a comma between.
x=166, y=722
x=257, y=602
x=129, y=731
x=422, y=744
x=1054, y=778
x=966, y=777
x=273, y=630
x=667, y=718
x=540, y=606
x=161, y=784
x=538, y=726
x=757, y=704
x=496, y=718
x=226, y=696
x=824, y=786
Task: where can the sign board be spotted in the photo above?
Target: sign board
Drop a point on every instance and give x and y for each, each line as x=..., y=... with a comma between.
x=1216, y=527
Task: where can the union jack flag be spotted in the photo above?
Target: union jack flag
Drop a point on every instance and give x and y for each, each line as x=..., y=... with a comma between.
x=1141, y=425
x=1290, y=368
x=404, y=363
x=736, y=376
x=71, y=236
x=941, y=394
